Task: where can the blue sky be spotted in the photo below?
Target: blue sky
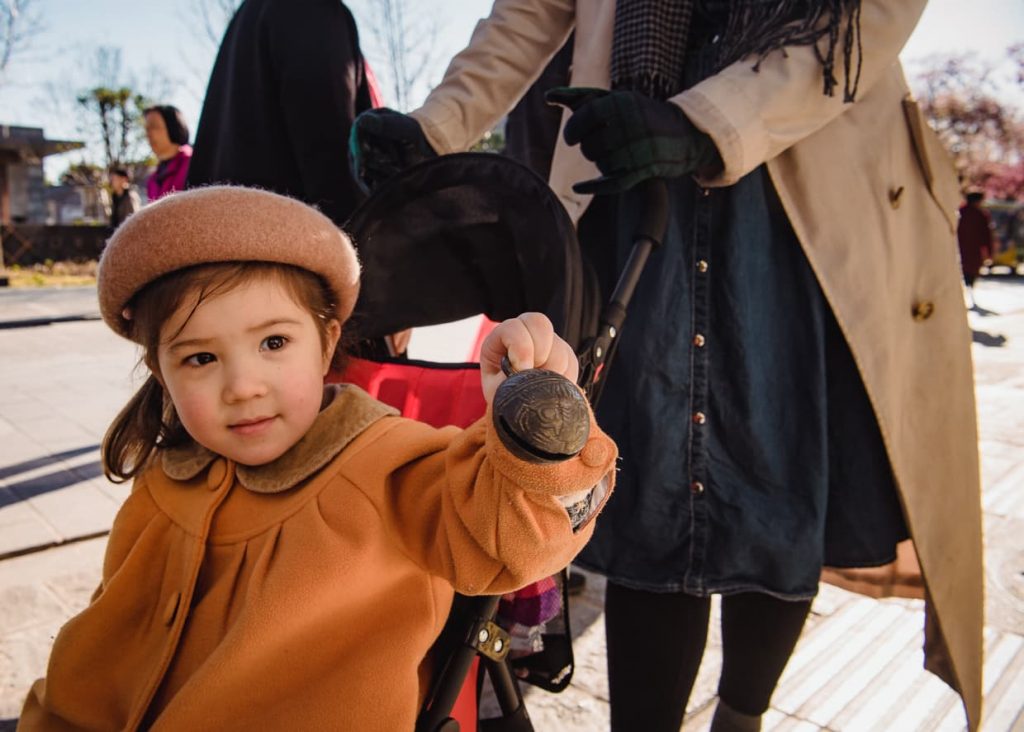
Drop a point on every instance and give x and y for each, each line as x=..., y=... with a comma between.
x=162, y=34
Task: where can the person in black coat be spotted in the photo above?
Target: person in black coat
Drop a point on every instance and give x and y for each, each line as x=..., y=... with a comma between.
x=124, y=199
x=288, y=81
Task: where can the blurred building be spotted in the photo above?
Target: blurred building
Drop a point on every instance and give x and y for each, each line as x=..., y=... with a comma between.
x=23, y=194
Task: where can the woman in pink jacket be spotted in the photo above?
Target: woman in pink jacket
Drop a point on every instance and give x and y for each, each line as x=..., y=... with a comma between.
x=168, y=136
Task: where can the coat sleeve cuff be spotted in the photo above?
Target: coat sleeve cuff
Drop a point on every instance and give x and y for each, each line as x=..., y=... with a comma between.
x=592, y=468
x=583, y=506
x=734, y=149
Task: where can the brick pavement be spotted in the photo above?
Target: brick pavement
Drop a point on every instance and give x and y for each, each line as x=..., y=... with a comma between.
x=857, y=667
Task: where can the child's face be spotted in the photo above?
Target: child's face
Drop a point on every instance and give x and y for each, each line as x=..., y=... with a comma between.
x=246, y=371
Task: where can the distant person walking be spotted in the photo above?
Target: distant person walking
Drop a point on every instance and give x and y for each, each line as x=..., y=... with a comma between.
x=168, y=134
x=974, y=235
x=288, y=81
x=124, y=199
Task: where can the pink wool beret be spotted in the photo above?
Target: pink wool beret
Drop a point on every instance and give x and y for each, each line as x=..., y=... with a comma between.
x=222, y=224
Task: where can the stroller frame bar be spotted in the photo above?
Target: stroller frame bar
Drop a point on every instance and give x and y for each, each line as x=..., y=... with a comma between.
x=598, y=351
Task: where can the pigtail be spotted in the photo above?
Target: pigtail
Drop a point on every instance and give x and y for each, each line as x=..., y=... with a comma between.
x=140, y=427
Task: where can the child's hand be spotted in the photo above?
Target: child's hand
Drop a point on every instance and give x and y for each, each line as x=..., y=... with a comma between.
x=530, y=342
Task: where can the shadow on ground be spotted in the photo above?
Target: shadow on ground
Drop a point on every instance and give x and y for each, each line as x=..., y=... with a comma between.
x=988, y=339
x=7, y=471
x=22, y=490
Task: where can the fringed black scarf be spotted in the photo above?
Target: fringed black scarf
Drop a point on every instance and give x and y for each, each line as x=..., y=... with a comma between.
x=650, y=38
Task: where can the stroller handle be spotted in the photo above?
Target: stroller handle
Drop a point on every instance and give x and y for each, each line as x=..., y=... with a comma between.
x=597, y=352
x=654, y=220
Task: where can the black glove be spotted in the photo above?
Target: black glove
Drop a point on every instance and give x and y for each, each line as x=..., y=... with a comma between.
x=632, y=137
x=383, y=142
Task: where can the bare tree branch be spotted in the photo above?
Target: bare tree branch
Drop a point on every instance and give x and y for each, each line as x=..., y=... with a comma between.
x=19, y=24
x=1016, y=54
x=210, y=18
x=403, y=39
x=207, y=20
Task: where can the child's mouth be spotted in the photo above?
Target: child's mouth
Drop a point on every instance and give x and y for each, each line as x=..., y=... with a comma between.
x=251, y=426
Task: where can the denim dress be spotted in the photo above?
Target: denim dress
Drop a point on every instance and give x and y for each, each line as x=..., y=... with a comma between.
x=750, y=454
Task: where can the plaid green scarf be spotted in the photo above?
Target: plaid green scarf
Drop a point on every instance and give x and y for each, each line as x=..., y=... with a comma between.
x=650, y=39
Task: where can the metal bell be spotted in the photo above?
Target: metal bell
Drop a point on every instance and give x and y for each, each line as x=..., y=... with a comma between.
x=540, y=416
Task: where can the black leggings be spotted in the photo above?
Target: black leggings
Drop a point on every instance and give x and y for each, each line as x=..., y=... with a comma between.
x=656, y=641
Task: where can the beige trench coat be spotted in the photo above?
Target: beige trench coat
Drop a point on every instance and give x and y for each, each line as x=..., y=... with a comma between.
x=872, y=197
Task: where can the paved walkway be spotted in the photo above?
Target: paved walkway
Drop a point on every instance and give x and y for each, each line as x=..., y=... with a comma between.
x=857, y=667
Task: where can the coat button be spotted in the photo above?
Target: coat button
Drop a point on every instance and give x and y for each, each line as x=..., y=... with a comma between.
x=172, y=608
x=702, y=266
x=215, y=476
x=922, y=310
x=699, y=418
x=896, y=197
x=698, y=340
x=594, y=454
x=696, y=487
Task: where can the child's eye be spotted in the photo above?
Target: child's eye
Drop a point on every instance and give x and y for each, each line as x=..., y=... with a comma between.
x=200, y=359
x=273, y=343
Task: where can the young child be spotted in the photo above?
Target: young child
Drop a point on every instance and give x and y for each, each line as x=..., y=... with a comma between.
x=289, y=552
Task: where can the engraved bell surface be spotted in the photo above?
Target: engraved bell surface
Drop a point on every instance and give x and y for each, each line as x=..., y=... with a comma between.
x=541, y=416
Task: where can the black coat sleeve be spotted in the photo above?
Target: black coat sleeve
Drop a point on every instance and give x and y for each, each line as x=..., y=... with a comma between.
x=319, y=69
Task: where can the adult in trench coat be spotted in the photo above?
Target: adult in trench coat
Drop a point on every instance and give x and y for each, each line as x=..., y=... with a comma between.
x=872, y=198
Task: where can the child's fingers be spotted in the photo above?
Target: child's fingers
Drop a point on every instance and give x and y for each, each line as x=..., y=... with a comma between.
x=550, y=351
x=511, y=338
x=562, y=360
x=529, y=341
x=542, y=335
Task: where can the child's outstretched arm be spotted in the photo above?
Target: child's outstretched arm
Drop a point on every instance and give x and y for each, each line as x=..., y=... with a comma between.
x=529, y=341
x=464, y=506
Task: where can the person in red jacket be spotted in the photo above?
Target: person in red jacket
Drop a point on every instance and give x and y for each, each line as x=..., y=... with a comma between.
x=974, y=235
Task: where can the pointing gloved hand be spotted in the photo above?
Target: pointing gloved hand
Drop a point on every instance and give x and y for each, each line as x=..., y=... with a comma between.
x=632, y=137
x=382, y=143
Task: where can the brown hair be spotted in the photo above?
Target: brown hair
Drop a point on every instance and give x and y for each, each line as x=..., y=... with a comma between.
x=148, y=421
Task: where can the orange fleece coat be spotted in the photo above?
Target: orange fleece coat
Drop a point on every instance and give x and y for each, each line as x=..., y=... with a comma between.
x=305, y=594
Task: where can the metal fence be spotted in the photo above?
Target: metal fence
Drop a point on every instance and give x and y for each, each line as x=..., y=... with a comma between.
x=28, y=244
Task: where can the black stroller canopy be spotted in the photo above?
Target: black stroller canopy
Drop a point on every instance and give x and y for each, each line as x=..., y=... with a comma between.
x=461, y=235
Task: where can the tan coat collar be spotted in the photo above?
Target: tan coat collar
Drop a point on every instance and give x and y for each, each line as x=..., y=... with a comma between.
x=347, y=411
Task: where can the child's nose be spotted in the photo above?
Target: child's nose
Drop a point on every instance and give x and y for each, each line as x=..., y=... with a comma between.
x=242, y=384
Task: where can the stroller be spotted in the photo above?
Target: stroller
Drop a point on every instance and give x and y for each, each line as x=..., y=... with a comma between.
x=448, y=239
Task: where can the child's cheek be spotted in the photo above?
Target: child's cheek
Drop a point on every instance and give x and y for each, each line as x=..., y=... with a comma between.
x=196, y=412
